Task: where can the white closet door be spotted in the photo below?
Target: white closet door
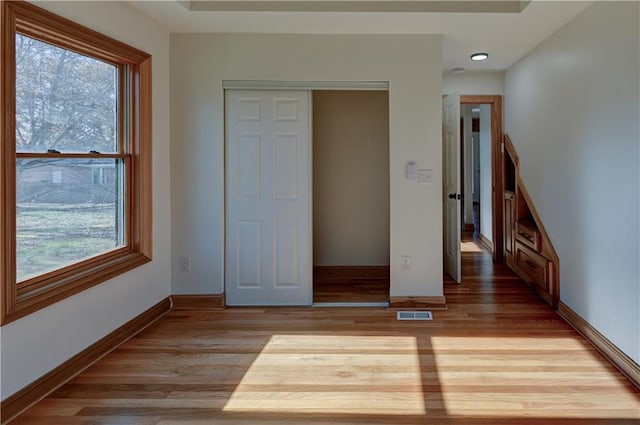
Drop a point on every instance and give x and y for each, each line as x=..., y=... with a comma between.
x=451, y=185
x=268, y=161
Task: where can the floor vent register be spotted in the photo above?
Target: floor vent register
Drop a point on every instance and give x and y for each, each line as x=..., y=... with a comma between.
x=415, y=315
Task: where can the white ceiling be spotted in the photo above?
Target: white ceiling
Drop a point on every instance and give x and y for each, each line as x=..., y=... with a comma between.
x=506, y=36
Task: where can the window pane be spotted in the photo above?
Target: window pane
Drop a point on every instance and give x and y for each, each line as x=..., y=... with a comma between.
x=64, y=100
x=67, y=210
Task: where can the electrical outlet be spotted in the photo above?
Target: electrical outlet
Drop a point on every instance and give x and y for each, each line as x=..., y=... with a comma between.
x=185, y=264
x=406, y=261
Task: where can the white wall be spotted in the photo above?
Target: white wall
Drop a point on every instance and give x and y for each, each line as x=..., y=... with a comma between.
x=572, y=110
x=473, y=82
x=37, y=343
x=638, y=216
x=412, y=66
x=486, y=186
x=350, y=178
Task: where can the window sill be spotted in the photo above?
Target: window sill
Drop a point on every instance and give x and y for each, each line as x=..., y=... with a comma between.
x=37, y=299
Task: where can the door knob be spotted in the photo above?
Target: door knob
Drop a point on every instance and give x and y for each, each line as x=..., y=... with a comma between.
x=452, y=196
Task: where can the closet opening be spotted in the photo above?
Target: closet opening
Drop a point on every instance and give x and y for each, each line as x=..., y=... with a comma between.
x=351, y=203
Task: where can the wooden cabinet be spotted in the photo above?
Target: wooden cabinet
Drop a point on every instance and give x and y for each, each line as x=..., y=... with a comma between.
x=535, y=269
x=510, y=199
x=531, y=260
x=527, y=247
x=509, y=224
x=527, y=233
x=532, y=264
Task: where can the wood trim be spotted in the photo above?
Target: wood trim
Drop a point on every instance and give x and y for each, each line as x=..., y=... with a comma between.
x=36, y=22
x=497, y=178
x=199, y=302
x=511, y=150
x=486, y=242
x=536, y=217
x=23, y=288
x=43, y=386
x=142, y=155
x=47, y=155
x=26, y=297
x=122, y=102
x=7, y=162
x=619, y=359
x=43, y=297
x=483, y=99
x=496, y=167
x=429, y=303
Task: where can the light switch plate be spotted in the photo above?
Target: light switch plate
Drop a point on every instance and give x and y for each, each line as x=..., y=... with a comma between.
x=425, y=175
x=410, y=171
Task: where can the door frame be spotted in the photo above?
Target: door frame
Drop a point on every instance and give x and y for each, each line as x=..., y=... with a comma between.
x=497, y=178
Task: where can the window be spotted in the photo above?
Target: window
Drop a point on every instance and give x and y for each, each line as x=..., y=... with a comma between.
x=76, y=158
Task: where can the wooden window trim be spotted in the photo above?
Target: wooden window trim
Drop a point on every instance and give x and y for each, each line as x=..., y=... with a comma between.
x=37, y=293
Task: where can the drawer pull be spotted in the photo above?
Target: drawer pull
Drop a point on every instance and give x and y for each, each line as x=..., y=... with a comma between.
x=530, y=263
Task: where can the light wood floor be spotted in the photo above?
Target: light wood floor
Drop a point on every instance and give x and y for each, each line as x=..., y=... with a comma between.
x=499, y=355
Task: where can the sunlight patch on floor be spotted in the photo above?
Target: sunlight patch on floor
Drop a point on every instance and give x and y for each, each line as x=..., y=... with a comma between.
x=525, y=374
x=333, y=374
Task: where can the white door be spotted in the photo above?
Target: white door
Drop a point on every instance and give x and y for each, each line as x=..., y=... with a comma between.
x=268, y=157
x=451, y=185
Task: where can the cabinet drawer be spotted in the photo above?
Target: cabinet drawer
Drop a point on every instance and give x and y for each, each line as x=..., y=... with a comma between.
x=528, y=235
x=533, y=265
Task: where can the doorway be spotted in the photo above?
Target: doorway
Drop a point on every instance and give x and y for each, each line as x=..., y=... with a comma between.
x=307, y=196
x=351, y=204
x=476, y=184
x=453, y=178
x=490, y=113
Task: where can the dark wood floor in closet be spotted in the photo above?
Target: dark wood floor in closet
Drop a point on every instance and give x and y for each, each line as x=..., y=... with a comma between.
x=351, y=284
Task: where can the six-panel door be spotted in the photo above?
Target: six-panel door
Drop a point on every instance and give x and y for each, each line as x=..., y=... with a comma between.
x=268, y=198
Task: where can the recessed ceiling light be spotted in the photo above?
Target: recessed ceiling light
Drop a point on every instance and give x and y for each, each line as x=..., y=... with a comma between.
x=480, y=56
